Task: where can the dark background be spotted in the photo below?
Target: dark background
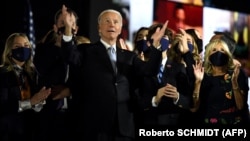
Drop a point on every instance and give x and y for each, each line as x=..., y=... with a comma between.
x=15, y=11
x=14, y=14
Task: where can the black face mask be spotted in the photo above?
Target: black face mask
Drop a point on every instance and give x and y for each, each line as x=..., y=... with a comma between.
x=219, y=59
x=141, y=45
x=21, y=53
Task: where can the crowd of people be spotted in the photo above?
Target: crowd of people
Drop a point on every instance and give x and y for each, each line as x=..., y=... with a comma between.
x=72, y=89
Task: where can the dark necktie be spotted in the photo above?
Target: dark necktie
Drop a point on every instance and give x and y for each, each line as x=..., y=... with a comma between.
x=160, y=73
x=112, y=56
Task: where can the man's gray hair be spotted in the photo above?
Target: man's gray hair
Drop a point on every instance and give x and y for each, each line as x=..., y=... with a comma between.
x=109, y=11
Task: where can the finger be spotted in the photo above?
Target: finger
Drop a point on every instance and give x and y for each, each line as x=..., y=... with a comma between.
x=169, y=85
x=165, y=25
x=182, y=31
x=170, y=95
x=43, y=88
x=49, y=91
x=158, y=30
x=64, y=9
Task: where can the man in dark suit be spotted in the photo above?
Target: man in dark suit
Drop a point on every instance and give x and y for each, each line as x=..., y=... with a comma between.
x=53, y=73
x=102, y=95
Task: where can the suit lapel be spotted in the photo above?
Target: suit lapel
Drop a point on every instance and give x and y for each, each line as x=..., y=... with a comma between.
x=103, y=56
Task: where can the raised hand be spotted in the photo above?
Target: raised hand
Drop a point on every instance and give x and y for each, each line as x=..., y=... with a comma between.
x=123, y=44
x=198, y=71
x=236, y=73
x=182, y=38
x=69, y=21
x=159, y=33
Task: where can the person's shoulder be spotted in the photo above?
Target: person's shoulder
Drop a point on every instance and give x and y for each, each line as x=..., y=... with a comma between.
x=3, y=69
x=92, y=44
x=126, y=51
x=82, y=40
x=86, y=47
x=5, y=75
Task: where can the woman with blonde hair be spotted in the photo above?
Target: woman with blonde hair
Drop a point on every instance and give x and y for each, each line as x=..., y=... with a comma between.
x=20, y=97
x=221, y=88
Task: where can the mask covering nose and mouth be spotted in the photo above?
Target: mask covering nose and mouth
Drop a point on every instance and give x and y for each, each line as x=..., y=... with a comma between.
x=164, y=44
x=141, y=45
x=21, y=53
x=190, y=47
x=218, y=58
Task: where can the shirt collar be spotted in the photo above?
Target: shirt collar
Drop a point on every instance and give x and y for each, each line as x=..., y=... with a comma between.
x=108, y=45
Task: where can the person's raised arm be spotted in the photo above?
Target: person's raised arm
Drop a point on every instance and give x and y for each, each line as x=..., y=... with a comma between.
x=159, y=33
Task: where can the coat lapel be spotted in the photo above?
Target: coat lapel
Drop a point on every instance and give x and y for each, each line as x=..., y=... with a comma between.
x=103, y=56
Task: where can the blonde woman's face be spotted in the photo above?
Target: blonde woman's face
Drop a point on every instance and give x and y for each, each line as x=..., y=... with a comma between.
x=217, y=47
x=20, y=42
x=20, y=50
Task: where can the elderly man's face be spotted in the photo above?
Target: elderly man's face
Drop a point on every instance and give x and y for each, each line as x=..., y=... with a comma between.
x=110, y=26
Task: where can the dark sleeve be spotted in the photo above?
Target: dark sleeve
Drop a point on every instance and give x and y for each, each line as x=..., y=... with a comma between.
x=8, y=91
x=189, y=60
x=73, y=53
x=148, y=89
x=203, y=94
x=184, y=101
x=184, y=89
x=150, y=67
